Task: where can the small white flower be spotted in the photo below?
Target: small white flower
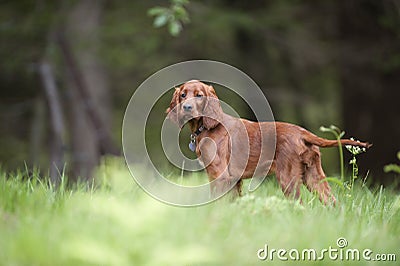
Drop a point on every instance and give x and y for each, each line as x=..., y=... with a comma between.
x=355, y=150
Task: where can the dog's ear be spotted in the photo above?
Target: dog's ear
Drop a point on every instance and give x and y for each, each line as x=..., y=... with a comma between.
x=212, y=112
x=172, y=112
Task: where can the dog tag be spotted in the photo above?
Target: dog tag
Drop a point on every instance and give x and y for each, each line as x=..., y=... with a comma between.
x=192, y=146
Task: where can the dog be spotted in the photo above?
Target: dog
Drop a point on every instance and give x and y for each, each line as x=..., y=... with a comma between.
x=233, y=149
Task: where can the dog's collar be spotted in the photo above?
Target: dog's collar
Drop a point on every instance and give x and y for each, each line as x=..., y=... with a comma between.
x=198, y=131
x=193, y=136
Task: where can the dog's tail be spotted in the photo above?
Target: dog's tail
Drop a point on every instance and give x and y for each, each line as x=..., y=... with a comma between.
x=321, y=142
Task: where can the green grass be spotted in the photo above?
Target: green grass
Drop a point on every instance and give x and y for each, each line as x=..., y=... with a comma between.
x=116, y=223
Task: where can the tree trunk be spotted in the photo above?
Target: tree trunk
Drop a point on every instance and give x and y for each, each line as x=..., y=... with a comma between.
x=88, y=95
x=37, y=131
x=56, y=122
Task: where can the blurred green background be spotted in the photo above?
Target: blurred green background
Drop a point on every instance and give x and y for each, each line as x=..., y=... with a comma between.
x=69, y=69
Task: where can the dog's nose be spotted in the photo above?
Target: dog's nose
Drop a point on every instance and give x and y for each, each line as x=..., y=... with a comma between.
x=187, y=107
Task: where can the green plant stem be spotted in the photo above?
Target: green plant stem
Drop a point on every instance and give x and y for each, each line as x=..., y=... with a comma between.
x=338, y=134
x=355, y=170
x=341, y=158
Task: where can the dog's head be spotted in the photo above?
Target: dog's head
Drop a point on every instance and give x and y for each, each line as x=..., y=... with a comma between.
x=195, y=100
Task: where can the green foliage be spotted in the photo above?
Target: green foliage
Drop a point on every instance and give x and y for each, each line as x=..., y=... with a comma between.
x=117, y=223
x=354, y=150
x=175, y=16
x=393, y=167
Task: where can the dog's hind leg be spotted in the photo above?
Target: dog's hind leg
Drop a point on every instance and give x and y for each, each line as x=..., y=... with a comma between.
x=314, y=176
x=290, y=177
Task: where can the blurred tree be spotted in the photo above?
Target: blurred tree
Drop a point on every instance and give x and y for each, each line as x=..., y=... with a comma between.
x=23, y=33
x=56, y=121
x=319, y=63
x=63, y=51
x=88, y=96
x=369, y=64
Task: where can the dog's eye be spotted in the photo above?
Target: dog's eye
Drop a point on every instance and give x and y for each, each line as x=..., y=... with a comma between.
x=199, y=95
x=183, y=95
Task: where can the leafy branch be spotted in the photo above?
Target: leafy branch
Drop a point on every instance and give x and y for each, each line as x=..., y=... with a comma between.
x=173, y=16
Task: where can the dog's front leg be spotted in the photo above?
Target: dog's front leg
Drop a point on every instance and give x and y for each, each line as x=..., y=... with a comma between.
x=225, y=184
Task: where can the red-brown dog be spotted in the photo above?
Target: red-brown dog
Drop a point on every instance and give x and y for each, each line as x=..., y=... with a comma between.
x=233, y=148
